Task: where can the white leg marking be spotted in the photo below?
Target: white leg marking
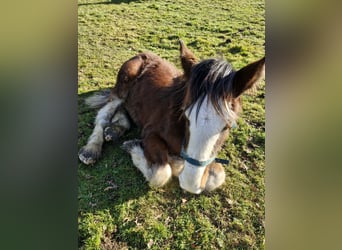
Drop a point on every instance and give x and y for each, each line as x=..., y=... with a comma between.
x=105, y=114
x=90, y=152
x=140, y=162
x=121, y=120
x=157, y=176
x=161, y=175
x=102, y=119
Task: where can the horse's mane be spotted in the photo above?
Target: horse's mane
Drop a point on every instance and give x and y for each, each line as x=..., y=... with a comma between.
x=212, y=78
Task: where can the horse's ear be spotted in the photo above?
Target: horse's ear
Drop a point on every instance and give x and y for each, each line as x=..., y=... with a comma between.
x=248, y=76
x=188, y=59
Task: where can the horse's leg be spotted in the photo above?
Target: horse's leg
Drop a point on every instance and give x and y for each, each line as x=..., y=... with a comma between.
x=118, y=126
x=177, y=165
x=157, y=173
x=156, y=151
x=91, y=152
x=213, y=177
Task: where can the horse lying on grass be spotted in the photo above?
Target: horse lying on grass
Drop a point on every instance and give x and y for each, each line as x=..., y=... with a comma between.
x=184, y=117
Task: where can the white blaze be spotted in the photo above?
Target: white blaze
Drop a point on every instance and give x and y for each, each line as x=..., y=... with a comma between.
x=204, y=133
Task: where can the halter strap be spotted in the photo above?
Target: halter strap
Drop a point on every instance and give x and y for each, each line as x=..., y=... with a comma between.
x=233, y=125
x=198, y=163
x=193, y=161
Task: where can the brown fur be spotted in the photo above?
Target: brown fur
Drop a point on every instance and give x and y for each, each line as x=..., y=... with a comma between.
x=155, y=95
x=149, y=107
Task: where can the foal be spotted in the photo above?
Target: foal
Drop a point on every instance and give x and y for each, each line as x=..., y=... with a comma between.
x=184, y=117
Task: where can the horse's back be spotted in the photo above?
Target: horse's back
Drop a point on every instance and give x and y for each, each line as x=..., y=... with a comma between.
x=144, y=71
x=141, y=81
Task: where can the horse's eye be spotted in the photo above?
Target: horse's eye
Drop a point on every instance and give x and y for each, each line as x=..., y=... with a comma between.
x=225, y=128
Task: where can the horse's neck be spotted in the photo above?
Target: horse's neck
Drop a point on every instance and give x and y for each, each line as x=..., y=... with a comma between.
x=174, y=122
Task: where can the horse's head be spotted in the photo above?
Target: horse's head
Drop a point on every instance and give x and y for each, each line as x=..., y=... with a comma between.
x=211, y=104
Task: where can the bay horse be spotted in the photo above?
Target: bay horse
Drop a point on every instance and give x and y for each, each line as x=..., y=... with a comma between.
x=184, y=117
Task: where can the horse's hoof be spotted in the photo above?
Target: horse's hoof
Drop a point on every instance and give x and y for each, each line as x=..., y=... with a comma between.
x=87, y=155
x=111, y=133
x=129, y=145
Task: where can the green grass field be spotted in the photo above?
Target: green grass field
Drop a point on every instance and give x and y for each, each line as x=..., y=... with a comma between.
x=117, y=208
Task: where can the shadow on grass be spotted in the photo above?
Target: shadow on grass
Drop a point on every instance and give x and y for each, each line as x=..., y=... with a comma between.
x=113, y=179
x=111, y=182
x=114, y=185
x=114, y=171
x=109, y=2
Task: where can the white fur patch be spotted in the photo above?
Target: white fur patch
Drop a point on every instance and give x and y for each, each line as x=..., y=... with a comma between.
x=95, y=140
x=106, y=112
x=156, y=175
x=102, y=119
x=121, y=119
x=161, y=175
x=139, y=160
x=98, y=100
x=204, y=133
x=190, y=178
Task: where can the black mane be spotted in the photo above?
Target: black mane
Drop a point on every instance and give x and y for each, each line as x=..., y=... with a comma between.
x=212, y=78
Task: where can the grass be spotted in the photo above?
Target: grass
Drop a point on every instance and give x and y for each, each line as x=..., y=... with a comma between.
x=117, y=209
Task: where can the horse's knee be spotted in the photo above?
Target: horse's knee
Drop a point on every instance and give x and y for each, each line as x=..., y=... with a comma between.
x=155, y=149
x=215, y=176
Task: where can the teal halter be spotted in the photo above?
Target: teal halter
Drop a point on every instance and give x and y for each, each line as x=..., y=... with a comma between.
x=198, y=163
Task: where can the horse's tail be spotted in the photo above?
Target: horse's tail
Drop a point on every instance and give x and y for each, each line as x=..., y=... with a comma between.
x=99, y=99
